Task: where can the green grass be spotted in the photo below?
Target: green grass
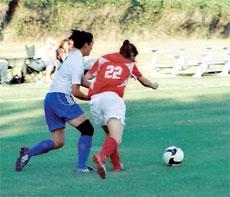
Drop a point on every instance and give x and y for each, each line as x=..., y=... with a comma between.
x=193, y=114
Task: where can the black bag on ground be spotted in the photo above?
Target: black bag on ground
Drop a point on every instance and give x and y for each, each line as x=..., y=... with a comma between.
x=17, y=80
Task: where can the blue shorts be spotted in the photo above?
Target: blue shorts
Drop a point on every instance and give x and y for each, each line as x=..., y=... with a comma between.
x=60, y=108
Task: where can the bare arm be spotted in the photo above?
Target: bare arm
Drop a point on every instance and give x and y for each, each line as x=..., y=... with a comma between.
x=85, y=80
x=88, y=77
x=147, y=83
x=85, y=83
x=78, y=93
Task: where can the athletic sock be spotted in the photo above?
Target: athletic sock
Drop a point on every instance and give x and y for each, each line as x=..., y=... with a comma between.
x=84, y=145
x=108, y=148
x=42, y=147
x=115, y=159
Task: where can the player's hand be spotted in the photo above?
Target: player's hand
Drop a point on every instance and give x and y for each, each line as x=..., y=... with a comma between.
x=154, y=85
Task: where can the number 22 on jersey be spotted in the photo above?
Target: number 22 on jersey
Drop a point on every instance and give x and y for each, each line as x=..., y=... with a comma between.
x=113, y=72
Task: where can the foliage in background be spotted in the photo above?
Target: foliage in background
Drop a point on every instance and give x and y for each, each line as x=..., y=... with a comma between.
x=114, y=18
x=201, y=18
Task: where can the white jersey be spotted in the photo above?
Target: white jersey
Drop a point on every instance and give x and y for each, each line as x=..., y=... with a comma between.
x=69, y=72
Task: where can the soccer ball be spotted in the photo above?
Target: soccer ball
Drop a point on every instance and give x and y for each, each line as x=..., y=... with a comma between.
x=173, y=156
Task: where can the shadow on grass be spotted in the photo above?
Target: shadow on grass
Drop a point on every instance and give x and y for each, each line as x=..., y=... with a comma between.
x=200, y=128
x=26, y=117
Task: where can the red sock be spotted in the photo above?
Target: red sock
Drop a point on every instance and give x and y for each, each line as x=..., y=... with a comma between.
x=108, y=148
x=115, y=159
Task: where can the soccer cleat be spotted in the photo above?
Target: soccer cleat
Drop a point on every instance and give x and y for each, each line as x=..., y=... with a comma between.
x=86, y=170
x=101, y=170
x=118, y=168
x=117, y=165
x=115, y=160
x=23, y=159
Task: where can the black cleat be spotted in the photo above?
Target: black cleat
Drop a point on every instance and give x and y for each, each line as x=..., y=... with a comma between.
x=23, y=159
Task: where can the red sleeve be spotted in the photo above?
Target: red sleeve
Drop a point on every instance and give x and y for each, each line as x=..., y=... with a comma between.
x=136, y=73
x=94, y=68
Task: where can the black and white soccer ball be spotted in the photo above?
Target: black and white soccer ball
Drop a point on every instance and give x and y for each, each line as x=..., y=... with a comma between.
x=173, y=156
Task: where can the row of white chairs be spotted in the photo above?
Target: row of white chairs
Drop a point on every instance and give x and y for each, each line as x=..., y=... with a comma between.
x=196, y=63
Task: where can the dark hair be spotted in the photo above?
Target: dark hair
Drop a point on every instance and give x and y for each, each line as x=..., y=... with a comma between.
x=80, y=38
x=128, y=50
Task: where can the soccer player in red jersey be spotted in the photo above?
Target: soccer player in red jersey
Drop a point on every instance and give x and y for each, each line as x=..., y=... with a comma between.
x=109, y=76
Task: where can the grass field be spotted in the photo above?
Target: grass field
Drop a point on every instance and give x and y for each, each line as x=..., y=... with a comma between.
x=193, y=114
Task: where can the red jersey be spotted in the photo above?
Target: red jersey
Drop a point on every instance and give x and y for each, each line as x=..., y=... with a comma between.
x=111, y=73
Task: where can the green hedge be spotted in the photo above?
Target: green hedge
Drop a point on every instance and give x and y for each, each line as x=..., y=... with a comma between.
x=144, y=18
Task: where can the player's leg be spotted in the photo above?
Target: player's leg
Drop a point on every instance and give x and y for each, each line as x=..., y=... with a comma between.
x=52, y=107
x=106, y=130
x=115, y=156
x=115, y=128
x=57, y=141
x=57, y=128
x=112, y=114
x=110, y=144
x=86, y=129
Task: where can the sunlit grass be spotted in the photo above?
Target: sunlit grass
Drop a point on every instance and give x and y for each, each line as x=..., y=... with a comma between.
x=190, y=113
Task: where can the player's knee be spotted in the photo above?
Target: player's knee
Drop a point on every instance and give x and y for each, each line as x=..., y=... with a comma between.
x=119, y=140
x=59, y=144
x=86, y=128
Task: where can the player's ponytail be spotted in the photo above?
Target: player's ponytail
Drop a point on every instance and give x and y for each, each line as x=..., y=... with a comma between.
x=128, y=50
x=80, y=38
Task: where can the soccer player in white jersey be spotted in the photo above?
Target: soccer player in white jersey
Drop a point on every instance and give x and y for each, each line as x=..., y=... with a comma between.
x=110, y=75
x=60, y=107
